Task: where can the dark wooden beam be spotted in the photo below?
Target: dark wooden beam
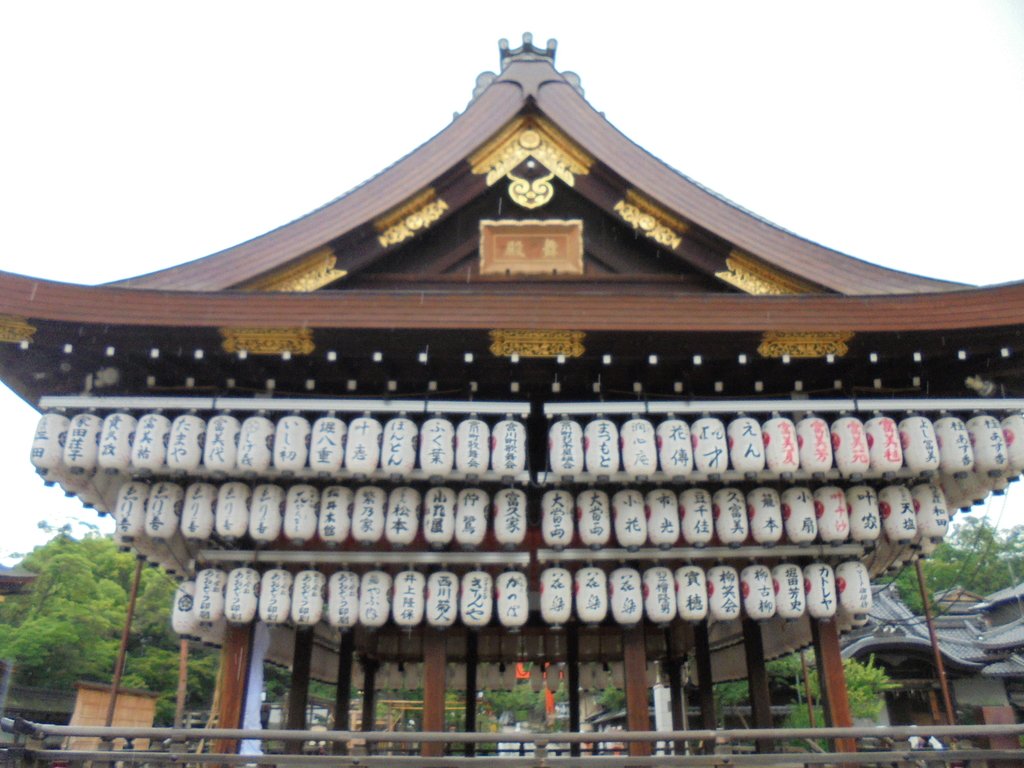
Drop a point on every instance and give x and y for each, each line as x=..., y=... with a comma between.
x=234, y=670
x=572, y=663
x=343, y=690
x=434, y=662
x=369, y=716
x=634, y=663
x=834, y=699
x=298, y=694
x=757, y=680
x=471, y=670
x=675, y=690
x=706, y=681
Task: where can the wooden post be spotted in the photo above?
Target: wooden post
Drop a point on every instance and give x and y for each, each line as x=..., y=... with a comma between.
x=234, y=670
x=298, y=693
x=634, y=663
x=706, y=679
x=122, y=649
x=678, y=702
x=434, y=663
x=834, y=699
x=182, y=693
x=471, y=669
x=572, y=663
x=940, y=666
x=757, y=680
x=370, y=667
x=343, y=690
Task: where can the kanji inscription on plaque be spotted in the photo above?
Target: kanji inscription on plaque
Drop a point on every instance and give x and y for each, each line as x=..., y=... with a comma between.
x=531, y=247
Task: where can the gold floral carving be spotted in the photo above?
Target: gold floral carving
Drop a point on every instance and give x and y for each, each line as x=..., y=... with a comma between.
x=410, y=218
x=308, y=275
x=268, y=341
x=650, y=220
x=537, y=343
x=753, y=276
x=804, y=344
x=14, y=330
x=531, y=138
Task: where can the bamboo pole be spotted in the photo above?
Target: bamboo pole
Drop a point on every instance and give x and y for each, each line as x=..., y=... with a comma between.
x=122, y=650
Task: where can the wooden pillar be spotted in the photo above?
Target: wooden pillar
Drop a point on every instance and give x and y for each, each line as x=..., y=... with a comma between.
x=182, y=692
x=572, y=663
x=434, y=663
x=234, y=670
x=757, y=680
x=369, y=697
x=471, y=669
x=343, y=690
x=706, y=680
x=834, y=699
x=634, y=663
x=298, y=693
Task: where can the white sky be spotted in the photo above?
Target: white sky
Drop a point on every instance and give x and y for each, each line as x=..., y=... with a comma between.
x=136, y=136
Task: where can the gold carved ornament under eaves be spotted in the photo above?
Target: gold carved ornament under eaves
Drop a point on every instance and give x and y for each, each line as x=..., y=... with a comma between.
x=650, y=220
x=808, y=344
x=752, y=276
x=14, y=330
x=534, y=139
x=505, y=343
x=268, y=341
x=410, y=218
x=310, y=274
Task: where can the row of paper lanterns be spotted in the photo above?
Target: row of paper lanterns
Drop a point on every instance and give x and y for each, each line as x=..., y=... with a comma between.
x=410, y=598
x=122, y=443
x=662, y=518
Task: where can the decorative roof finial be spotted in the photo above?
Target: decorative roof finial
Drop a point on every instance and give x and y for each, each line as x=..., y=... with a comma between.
x=527, y=51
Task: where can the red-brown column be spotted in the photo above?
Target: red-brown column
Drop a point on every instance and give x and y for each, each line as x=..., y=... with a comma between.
x=298, y=693
x=434, y=662
x=234, y=669
x=834, y=699
x=634, y=662
x=757, y=680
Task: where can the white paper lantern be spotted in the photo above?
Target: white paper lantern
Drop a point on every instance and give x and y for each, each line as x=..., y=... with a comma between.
x=833, y=514
x=197, y=513
x=368, y=514
x=854, y=586
x=130, y=511
x=710, y=447
x=362, y=446
x=696, y=511
x=594, y=518
x=231, y=518
x=798, y=515
x=820, y=586
x=255, y=445
x=374, y=599
x=509, y=517
x=601, y=447
x=731, y=522
x=335, y=518
x=292, y=437
x=629, y=518
x=691, y=593
x=183, y=619
x=241, y=595
x=48, y=443
x=989, y=444
x=661, y=507
x=402, y=521
x=625, y=591
x=163, y=510
x=508, y=447
x=116, y=437
x=555, y=596
x=781, y=448
x=850, y=446
x=275, y=596
x=675, y=449
x=723, y=593
x=209, y=605
x=557, y=518
x=266, y=512
x=471, y=511
x=81, y=447
x=185, y=444
x=472, y=447
x=931, y=510
x=512, y=599
x=956, y=456
x=896, y=507
x=764, y=510
x=1013, y=434
x=955, y=492
x=814, y=443
x=409, y=598
x=476, y=599
x=343, y=600
x=885, y=450
x=300, y=508
x=565, y=448
x=591, y=589
x=758, y=592
x=398, y=447
x=220, y=453
x=442, y=599
x=920, y=448
x=327, y=445
x=790, y=597
x=437, y=447
x=659, y=595
x=639, y=448
x=865, y=520
x=439, y=517
x=746, y=445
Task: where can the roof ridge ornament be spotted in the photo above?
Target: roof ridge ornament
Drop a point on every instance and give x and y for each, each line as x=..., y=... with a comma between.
x=527, y=51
